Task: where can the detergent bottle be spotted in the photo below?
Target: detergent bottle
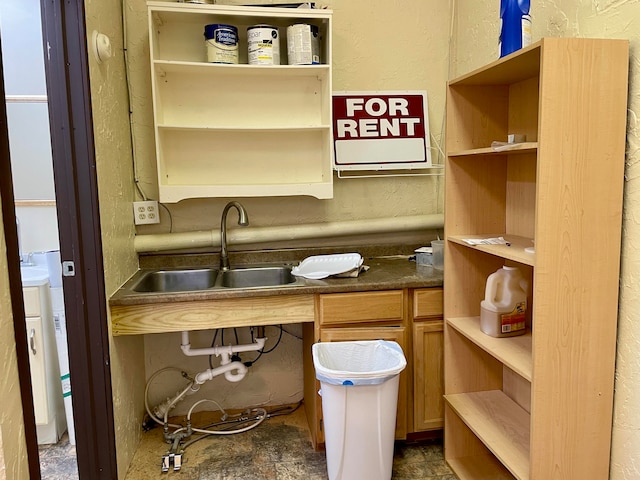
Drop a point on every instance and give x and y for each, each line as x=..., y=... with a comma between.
x=504, y=308
x=516, y=25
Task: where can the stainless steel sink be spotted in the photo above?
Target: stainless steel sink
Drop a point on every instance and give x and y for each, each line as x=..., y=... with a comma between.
x=159, y=281
x=256, y=277
x=198, y=279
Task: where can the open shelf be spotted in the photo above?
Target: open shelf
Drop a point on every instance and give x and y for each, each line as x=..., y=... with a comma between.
x=521, y=65
x=515, y=250
x=516, y=148
x=170, y=66
x=247, y=128
x=499, y=423
x=238, y=130
x=481, y=467
x=513, y=352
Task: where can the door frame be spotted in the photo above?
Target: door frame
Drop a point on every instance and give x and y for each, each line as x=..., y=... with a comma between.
x=74, y=167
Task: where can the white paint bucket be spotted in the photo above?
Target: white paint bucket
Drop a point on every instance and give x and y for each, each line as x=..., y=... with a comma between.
x=303, y=44
x=222, y=43
x=264, y=45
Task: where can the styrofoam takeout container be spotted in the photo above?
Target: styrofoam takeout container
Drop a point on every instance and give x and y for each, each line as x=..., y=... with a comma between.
x=322, y=266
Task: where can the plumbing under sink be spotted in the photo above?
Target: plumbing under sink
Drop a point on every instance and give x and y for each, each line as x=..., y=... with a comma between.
x=176, y=280
x=256, y=277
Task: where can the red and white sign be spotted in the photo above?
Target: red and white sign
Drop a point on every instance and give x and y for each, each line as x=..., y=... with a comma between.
x=381, y=130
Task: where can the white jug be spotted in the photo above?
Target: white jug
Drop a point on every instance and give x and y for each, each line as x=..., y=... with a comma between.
x=503, y=310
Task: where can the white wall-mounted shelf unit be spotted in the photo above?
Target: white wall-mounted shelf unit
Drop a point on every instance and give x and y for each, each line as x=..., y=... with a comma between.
x=536, y=406
x=238, y=130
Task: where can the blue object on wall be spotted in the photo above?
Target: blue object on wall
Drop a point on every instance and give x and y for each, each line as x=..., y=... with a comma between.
x=512, y=13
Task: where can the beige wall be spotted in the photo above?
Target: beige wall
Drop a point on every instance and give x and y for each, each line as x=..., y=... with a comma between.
x=115, y=188
x=474, y=44
x=13, y=447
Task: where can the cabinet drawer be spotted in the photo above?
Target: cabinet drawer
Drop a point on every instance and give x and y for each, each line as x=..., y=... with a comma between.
x=31, y=296
x=427, y=302
x=345, y=308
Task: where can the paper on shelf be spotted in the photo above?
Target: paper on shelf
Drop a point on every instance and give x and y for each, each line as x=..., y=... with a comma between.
x=486, y=241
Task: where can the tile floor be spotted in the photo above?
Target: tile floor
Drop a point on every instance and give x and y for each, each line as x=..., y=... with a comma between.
x=58, y=462
x=277, y=449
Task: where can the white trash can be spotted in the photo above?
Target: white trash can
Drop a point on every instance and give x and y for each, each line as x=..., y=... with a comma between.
x=359, y=389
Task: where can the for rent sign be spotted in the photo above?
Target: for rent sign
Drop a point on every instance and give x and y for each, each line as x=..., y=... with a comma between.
x=381, y=130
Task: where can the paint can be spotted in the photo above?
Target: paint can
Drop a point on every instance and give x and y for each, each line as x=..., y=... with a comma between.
x=264, y=45
x=303, y=44
x=222, y=43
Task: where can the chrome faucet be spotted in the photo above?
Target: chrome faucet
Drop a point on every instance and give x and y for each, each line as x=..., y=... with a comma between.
x=243, y=221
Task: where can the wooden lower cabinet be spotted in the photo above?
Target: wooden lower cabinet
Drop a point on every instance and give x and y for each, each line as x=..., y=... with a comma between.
x=428, y=359
x=428, y=376
x=413, y=319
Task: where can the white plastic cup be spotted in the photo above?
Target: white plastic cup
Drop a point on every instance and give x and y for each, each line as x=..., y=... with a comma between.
x=438, y=254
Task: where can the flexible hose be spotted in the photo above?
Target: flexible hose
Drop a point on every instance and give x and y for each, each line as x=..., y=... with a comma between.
x=146, y=395
x=261, y=416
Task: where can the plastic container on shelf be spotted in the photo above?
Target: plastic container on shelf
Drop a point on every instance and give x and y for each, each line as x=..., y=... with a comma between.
x=515, y=32
x=504, y=308
x=359, y=388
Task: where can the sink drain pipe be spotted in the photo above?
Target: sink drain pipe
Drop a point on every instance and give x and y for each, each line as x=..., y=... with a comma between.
x=225, y=352
x=211, y=238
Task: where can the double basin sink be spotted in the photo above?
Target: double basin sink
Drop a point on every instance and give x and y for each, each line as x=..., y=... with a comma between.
x=195, y=279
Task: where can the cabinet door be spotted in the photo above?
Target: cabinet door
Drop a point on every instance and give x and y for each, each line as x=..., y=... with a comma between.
x=37, y=366
x=428, y=375
x=396, y=334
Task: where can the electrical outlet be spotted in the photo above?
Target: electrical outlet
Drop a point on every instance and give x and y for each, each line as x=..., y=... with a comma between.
x=146, y=212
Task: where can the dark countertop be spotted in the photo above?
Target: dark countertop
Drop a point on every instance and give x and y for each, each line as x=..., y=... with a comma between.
x=385, y=273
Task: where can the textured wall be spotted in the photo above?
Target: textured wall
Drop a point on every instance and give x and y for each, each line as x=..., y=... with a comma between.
x=115, y=187
x=475, y=43
x=13, y=449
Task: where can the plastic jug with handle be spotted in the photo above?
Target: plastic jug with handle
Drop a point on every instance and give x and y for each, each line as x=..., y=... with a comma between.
x=504, y=308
